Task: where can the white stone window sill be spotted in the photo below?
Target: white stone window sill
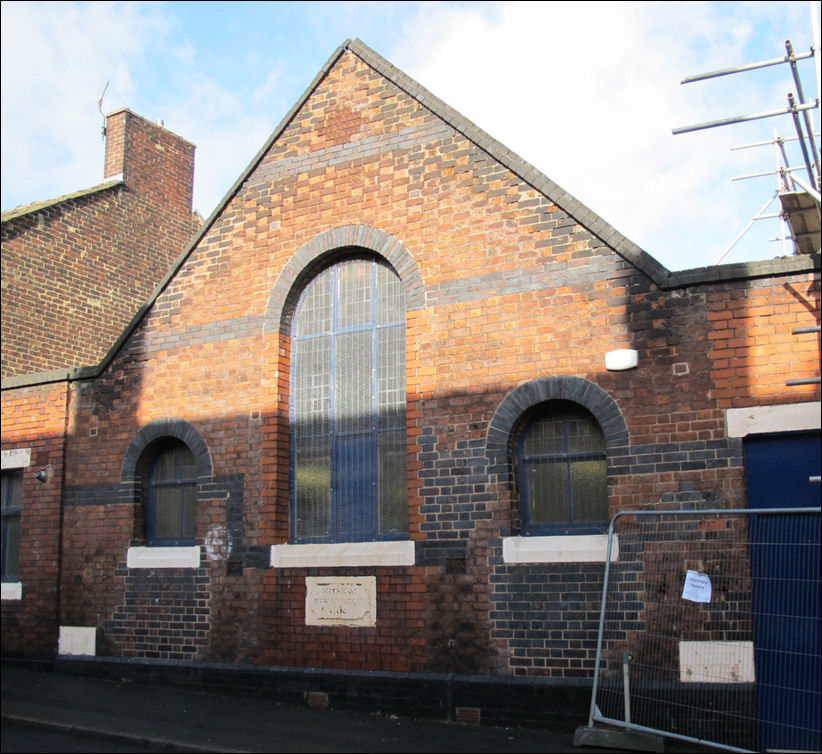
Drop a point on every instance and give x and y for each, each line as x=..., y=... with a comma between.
x=344, y=554
x=12, y=590
x=583, y=548
x=163, y=557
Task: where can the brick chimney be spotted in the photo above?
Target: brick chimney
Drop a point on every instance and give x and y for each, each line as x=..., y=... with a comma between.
x=77, y=269
x=153, y=161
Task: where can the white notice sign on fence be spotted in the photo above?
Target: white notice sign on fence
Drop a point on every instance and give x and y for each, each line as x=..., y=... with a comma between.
x=697, y=587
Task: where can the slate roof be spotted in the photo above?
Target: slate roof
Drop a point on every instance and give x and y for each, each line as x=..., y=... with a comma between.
x=26, y=209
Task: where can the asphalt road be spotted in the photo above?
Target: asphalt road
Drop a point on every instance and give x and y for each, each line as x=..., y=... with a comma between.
x=158, y=717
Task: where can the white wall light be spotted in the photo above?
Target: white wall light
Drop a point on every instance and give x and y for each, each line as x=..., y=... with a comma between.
x=621, y=359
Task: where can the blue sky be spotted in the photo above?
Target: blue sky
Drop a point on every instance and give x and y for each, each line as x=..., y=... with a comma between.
x=588, y=92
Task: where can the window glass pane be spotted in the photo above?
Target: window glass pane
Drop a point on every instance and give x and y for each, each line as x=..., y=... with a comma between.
x=167, y=513
x=313, y=487
x=393, y=484
x=584, y=434
x=391, y=296
x=12, y=489
x=172, y=494
x=562, y=453
x=12, y=500
x=355, y=293
x=188, y=496
x=391, y=376
x=547, y=492
x=590, y=490
x=544, y=436
x=174, y=464
x=11, y=545
x=348, y=406
x=312, y=391
x=354, y=403
x=354, y=515
x=314, y=315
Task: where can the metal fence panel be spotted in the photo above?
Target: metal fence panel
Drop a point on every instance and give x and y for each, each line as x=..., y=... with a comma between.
x=710, y=628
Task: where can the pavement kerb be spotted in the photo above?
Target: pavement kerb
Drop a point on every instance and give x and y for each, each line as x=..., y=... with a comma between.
x=164, y=744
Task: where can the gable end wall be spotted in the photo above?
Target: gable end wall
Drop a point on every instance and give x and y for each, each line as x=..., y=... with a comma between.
x=512, y=297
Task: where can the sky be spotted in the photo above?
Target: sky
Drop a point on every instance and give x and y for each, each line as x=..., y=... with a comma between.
x=587, y=92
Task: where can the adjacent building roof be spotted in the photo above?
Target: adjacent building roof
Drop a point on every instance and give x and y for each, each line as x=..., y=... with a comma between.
x=77, y=267
x=25, y=209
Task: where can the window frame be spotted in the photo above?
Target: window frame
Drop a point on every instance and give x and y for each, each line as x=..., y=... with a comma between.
x=154, y=453
x=345, y=526
x=566, y=457
x=11, y=510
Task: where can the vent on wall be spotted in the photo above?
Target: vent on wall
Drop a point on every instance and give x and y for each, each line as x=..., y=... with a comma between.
x=469, y=715
x=317, y=699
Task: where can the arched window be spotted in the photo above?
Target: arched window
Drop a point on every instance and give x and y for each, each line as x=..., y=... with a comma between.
x=348, y=432
x=169, y=478
x=562, y=471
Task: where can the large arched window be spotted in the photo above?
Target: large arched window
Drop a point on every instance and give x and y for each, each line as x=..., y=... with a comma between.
x=169, y=481
x=348, y=433
x=562, y=471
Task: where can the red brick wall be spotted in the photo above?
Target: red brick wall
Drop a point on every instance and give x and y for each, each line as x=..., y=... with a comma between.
x=753, y=349
x=35, y=418
x=75, y=272
x=515, y=291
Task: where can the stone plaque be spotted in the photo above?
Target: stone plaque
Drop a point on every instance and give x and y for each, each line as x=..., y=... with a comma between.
x=716, y=662
x=341, y=601
x=19, y=458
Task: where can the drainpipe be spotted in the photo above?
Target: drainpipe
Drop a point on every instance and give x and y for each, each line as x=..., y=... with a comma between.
x=61, y=514
x=450, y=687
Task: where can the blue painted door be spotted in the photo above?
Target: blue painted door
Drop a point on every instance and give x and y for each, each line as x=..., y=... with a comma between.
x=786, y=577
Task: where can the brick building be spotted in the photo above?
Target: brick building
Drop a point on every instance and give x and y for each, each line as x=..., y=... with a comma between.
x=75, y=272
x=381, y=412
x=76, y=269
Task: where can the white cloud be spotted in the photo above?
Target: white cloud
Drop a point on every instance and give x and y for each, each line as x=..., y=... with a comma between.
x=66, y=52
x=589, y=93
x=227, y=130
x=56, y=60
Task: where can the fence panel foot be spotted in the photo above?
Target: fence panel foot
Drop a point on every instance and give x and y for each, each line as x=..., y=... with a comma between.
x=606, y=738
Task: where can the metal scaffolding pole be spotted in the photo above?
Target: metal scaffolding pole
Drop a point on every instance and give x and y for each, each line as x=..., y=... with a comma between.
x=807, y=118
x=744, y=118
x=749, y=67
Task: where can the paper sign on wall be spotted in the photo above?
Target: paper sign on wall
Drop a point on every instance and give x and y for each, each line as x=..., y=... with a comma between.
x=697, y=587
